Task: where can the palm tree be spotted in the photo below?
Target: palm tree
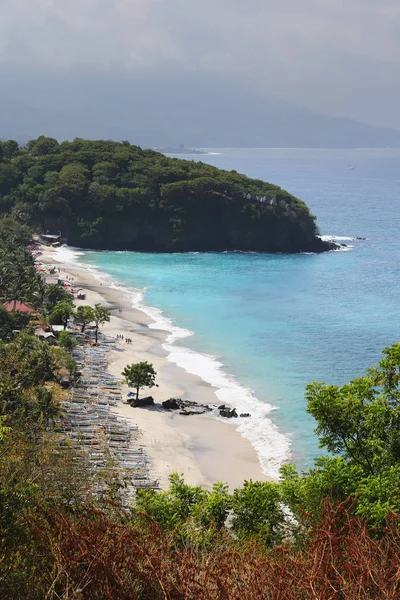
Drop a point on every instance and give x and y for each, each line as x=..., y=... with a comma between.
x=19, y=280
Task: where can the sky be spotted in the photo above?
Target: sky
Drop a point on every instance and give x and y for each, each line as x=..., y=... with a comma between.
x=339, y=57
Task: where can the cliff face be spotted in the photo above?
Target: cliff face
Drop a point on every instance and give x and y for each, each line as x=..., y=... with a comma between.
x=215, y=230
x=109, y=195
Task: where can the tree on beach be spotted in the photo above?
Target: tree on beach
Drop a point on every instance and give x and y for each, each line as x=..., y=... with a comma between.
x=140, y=375
x=62, y=312
x=84, y=315
x=100, y=316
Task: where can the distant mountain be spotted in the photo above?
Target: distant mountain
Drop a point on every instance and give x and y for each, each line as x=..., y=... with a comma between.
x=167, y=110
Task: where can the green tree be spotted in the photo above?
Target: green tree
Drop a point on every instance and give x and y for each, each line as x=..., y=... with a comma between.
x=10, y=149
x=53, y=294
x=10, y=322
x=256, y=511
x=19, y=280
x=140, y=375
x=27, y=364
x=361, y=419
x=66, y=341
x=44, y=145
x=359, y=424
x=100, y=316
x=84, y=315
x=191, y=513
x=62, y=312
x=13, y=233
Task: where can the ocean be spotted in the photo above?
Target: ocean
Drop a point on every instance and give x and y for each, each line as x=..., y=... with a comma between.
x=260, y=327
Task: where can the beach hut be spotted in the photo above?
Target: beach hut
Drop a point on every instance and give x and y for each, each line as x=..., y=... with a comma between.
x=46, y=336
x=50, y=238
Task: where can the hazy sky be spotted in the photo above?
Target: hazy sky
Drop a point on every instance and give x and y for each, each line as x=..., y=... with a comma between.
x=337, y=56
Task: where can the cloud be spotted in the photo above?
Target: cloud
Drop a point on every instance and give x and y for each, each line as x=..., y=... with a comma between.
x=143, y=32
x=286, y=45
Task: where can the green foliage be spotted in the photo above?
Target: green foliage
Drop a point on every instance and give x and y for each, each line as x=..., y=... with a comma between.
x=361, y=420
x=140, y=375
x=84, y=315
x=256, y=511
x=104, y=194
x=171, y=508
x=358, y=422
x=19, y=280
x=13, y=233
x=66, y=341
x=53, y=294
x=100, y=316
x=192, y=514
x=196, y=515
x=11, y=321
x=62, y=312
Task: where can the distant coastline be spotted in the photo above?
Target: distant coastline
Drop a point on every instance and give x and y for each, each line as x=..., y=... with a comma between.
x=178, y=150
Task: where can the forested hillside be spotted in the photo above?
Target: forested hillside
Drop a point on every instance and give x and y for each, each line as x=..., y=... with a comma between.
x=110, y=195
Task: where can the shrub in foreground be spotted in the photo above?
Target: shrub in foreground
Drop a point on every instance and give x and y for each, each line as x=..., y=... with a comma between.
x=108, y=559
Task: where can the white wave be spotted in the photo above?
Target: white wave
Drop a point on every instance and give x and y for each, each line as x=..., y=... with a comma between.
x=346, y=248
x=272, y=447
x=337, y=238
x=67, y=254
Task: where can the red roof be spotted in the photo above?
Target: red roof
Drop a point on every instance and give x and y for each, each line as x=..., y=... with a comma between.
x=19, y=307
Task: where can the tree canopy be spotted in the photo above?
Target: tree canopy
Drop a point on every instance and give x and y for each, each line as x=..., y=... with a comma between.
x=104, y=194
x=140, y=375
x=100, y=316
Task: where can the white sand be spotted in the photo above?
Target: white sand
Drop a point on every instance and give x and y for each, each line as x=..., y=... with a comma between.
x=200, y=448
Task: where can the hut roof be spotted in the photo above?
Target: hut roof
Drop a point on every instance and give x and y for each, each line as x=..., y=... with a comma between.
x=19, y=307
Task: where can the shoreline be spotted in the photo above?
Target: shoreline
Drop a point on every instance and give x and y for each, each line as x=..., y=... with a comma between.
x=201, y=448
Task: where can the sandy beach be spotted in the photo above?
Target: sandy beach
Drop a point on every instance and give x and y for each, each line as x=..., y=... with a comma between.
x=204, y=450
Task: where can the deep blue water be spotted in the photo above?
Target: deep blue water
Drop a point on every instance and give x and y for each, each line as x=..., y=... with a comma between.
x=277, y=322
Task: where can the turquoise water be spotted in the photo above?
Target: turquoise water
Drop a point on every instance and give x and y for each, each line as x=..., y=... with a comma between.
x=277, y=322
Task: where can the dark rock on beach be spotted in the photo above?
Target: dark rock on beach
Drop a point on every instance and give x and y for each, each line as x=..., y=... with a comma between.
x=228, y=413
x=245, y=415
x=172, y=404
x=186, y=407
x=139, y=402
